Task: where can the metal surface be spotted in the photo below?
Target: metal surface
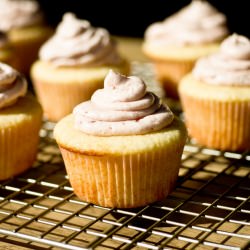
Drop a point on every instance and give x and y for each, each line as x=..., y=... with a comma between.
x=209, y=209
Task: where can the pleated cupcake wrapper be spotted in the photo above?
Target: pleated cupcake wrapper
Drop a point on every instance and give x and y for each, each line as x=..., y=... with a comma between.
x=169, y=73
x=123, y=181
x=218, y=124
x=18, y=147
x=27, y=46
x=58, y=100
x=26, y=59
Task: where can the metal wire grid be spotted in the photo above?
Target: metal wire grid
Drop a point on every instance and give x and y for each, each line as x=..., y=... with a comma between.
x=209, y=209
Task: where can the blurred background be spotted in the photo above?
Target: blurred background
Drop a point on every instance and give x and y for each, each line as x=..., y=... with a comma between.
x=130, y=18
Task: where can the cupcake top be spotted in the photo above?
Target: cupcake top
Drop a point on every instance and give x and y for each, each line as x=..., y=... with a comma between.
x=122, y=107
x=12, y=85
x=76, y=42
x=19, y=13
x=197, y=23
x=229, y=66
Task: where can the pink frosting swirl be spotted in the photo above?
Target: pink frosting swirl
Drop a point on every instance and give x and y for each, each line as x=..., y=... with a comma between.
x=19, y=13
x=12, y=85
x=122, y=107
x=197, y=23
x=76, y=42
x=229, y=66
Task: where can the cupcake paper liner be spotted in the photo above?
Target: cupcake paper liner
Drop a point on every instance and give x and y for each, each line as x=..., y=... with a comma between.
x=60, y=89
x=27, y=42
x=18, y=147
x=169, y=73
x=58, y=100
x=123, y=181
x=218, y=124
x=173, y=62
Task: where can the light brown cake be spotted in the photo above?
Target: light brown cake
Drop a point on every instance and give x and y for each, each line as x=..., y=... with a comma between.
x=73, y=65
x=121, y=162
x=20, y=122
x=23, y=22
x=216, y=97
x=175, y=44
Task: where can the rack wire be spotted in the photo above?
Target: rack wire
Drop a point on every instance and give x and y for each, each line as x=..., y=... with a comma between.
x=209, y=208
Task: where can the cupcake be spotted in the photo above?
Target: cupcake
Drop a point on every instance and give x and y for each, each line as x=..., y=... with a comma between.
x=176, y=43
x=122, y=148
x=72, y=65
x=7, y=54
x=20, y=121
x=24, y=24
x=216, y=97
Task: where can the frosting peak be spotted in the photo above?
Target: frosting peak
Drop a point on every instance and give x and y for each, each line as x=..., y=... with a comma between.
x=236, y=46
x=123, y=88
x=197, y=9
x=197, y=23
x=76, y=42
x=122, y=107
x=229, y=66
x=71, y=26
x=19, y=13
x=12, y=85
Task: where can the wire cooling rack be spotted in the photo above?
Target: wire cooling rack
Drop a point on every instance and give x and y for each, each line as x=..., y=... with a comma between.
x=209, y=208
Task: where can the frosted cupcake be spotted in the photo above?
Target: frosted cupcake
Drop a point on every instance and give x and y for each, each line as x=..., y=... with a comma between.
x=216, y=97
x=175, y=44
x=72, y=65
x=123, y=147
x=20, y=121
x=24, y=23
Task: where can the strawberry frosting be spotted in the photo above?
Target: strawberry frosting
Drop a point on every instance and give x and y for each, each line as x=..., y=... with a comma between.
x=76, y=42
x=197, y=23
x=229, y=66
x=122, y=107
x=19, y=13
x=12, y=85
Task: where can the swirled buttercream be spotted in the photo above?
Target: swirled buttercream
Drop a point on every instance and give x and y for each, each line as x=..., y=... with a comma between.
x=197, y=23
x=12, y=85
x=229, y=66
x=19, y=13
x=122, y=107
x=76, y=42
